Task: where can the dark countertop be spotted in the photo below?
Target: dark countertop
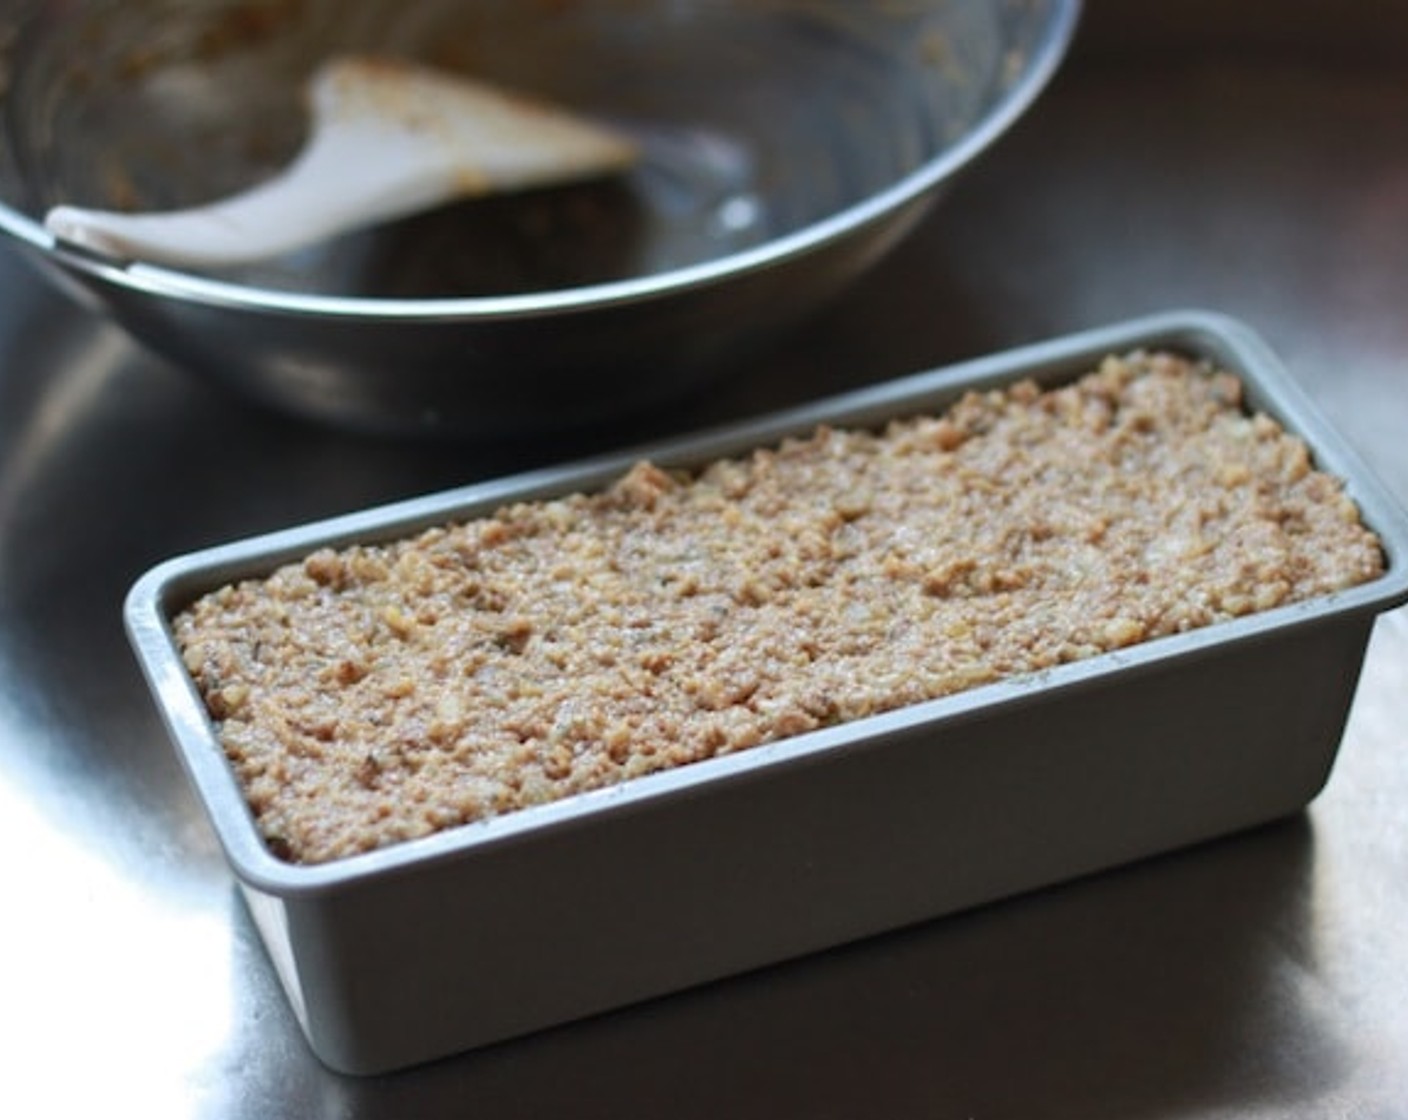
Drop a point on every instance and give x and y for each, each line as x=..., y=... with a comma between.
x=1261, y=171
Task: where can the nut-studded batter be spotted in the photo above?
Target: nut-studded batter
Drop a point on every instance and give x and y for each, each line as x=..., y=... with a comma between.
x=383, y=692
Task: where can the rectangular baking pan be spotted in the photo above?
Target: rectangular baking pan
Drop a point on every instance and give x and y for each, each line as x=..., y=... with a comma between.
x=501, y=927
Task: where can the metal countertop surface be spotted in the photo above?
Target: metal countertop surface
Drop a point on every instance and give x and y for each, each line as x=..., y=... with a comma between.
x=1260, y=171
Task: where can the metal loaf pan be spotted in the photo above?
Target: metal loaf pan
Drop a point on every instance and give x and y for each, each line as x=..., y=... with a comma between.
x=556, y=912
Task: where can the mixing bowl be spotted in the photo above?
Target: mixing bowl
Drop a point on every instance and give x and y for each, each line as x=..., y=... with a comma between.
x=786, y=145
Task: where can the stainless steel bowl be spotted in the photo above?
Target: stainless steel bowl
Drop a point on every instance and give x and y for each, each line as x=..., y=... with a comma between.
x=788, y=144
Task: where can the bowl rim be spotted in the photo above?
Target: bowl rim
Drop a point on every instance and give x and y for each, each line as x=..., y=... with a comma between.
x=1045, y=58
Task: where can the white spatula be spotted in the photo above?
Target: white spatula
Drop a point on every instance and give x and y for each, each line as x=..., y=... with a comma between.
x=387, y=139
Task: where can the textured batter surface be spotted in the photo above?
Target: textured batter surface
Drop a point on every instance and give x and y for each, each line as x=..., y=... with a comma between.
x=379, y=693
